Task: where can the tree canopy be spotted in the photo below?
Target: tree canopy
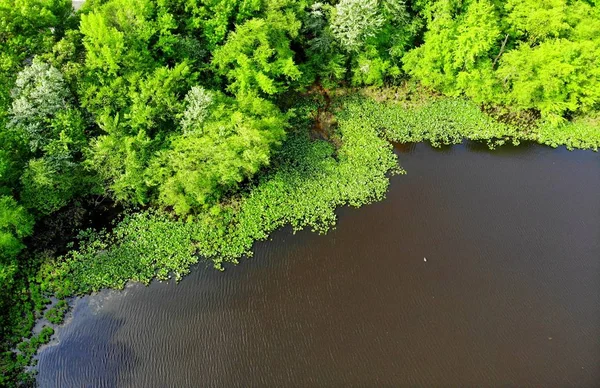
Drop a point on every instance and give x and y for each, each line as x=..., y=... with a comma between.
x=526, y=54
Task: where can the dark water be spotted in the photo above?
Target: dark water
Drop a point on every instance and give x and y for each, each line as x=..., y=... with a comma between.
x=509, y=294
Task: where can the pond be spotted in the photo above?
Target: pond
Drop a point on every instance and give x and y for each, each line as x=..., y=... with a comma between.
x=479, y=269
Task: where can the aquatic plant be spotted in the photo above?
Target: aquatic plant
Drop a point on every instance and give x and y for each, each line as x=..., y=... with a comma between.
x=308, y=181
x=447, y=120
x=56, y=314
x=311, y=178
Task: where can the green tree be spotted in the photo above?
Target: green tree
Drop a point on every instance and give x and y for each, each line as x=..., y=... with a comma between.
x=325, y=58
x=376, y=34
x=458, y=48
x=39, y=94
x=120, y=161
x=27, y=28
x=198, y=102
x=214, y=19
x=556, y=67
x=355, y=21
x=555, y=77
x=257, y=56
x=125, y=42
x=525, y=54
x=216, y=154
x=42, y=113
x=135, y=129
x=15, y=224
x=133, y=87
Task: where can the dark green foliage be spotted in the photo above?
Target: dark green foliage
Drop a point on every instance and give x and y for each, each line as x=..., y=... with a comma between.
x=214, y=19
x=56, y=314
x=28, y=348
x=44, y=116
x=12, y=364
x=325, y=59
x=15, y=224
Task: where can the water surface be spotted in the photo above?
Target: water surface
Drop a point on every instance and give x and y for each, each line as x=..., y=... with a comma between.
x=509, y=293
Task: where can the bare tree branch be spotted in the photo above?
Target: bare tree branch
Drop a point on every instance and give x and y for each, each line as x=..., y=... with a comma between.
x=501, y=51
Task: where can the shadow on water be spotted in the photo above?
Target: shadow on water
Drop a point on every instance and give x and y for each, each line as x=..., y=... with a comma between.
x=507, y=149
x=409, y=148
x=404, y=148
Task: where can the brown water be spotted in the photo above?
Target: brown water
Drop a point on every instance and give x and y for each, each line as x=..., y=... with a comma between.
x=509, y=294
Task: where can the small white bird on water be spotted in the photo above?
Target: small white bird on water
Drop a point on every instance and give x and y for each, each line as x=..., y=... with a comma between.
x=425, y=259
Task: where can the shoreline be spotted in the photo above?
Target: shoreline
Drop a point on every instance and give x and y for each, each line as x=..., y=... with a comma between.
x=358, y=113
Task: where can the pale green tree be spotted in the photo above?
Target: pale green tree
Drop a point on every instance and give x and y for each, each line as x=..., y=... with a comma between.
x=355, y=21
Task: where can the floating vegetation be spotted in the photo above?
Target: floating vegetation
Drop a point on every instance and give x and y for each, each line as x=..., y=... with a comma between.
x=308, y=181
x=311, y=178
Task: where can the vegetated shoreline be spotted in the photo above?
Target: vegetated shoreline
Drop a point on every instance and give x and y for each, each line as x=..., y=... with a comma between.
x=308, y=180
x=183, y=106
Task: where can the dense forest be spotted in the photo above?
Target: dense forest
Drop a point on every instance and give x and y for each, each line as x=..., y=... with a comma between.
x=137, y=136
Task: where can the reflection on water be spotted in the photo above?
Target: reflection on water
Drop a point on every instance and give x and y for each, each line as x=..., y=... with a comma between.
x=404, y=148
x=83, y=367
x=508, y=296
